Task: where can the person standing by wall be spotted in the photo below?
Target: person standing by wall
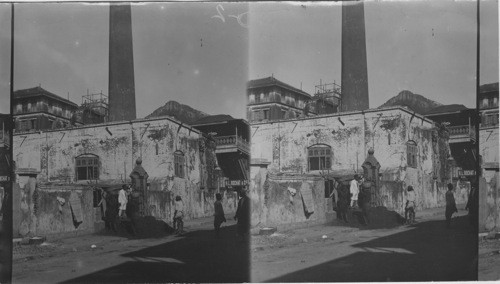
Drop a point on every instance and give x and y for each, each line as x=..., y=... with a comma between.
x=354, y=190
x=410, y=203
x=179, y=215
x=451, y=206
x=243, y=214
x=219, y=217
x=364, y=199
x=123, y=200
x=343, y=203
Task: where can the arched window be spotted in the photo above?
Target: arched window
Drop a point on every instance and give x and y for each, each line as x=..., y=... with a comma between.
x=411, y=153
x=87, y=167
x=319, y=157
x=179, y=164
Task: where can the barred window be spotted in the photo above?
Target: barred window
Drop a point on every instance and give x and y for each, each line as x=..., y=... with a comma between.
x=319, y=157
x=411, y=154
x=87, y=167
x=179, y=163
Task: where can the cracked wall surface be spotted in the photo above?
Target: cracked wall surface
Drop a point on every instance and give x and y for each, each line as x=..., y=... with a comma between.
x=284, y=144
x=490, y=200
x=118, y=145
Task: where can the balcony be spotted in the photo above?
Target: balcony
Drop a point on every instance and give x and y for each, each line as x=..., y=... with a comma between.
x=231, y=143
x=461, y=133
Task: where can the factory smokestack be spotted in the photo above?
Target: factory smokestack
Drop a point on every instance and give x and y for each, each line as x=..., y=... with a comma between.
x=354, y=67
x=121, y=64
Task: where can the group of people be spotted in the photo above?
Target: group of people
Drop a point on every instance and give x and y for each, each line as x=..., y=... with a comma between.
x=242, y=214
x=117, y=207
x=357, y=196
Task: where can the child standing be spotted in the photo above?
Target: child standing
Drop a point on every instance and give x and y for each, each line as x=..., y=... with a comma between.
x=219, y=217
x=410, y=203
x=179, y=214
x=451, y=207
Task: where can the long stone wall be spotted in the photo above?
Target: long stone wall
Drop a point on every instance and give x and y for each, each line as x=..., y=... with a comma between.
x=273, y=204
x=41, y=214
x=52, y=156
x=284, y=144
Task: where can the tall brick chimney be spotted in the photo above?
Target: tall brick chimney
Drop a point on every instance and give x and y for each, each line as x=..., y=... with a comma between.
x=121, y=64
x=354, y=67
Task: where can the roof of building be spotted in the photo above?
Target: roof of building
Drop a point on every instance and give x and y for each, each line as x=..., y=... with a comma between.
x=486, y=88
x=39, y=91
x=446, y=109
x=213, y=119
x=271, y=81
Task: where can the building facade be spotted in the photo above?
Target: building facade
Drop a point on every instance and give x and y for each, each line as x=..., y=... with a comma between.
x=38, y=109
x=232, y=140
x=301, y=154
x=178, y=159
x=270, y=99
x=459, y=122
x=489, y=193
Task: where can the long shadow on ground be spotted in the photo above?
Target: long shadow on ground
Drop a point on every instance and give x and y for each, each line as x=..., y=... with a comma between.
x=197, y=256
x=429, y=252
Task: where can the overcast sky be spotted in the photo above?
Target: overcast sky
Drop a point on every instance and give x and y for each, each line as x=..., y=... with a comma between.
x=426, y=47
x=200, y=54
x=181, y=52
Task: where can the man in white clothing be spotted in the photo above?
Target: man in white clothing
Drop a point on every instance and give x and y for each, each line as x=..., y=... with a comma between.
x=354, y=190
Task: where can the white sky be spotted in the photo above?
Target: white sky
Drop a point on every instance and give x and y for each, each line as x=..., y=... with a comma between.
x=426, y=47
x=181, y=52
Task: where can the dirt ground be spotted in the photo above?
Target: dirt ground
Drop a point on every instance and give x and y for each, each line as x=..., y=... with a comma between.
x=489, y=260
x=426, y=251
x=197, y=256
x=323, y=253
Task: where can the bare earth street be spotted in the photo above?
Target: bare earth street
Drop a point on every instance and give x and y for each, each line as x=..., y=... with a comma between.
x=426, y=251
x=196, y=256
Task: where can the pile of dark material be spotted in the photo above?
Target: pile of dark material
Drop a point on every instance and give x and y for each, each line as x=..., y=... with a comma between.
x=379, y=218
x=142, y=227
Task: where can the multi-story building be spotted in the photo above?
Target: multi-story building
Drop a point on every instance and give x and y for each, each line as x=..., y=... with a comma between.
x=270, y=99
x=232, y=138
x=488, y=105
x=39, y=109
x=458, y=120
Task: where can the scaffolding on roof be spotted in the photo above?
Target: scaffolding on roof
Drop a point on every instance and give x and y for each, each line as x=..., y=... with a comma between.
x=328, y=93
x=96, y=103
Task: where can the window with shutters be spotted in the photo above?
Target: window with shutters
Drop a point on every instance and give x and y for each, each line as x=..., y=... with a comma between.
x=411, y=154
x=319, y=157
x=87, y=167
x=266, y=114
x=179, y=164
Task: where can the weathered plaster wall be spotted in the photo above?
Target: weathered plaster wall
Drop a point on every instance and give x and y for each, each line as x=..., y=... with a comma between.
x=118, y=145
x=161, y=204
x=490, y=199
x=273, y=205
x=490, y=206
x=39, y=210
x=284, y=144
